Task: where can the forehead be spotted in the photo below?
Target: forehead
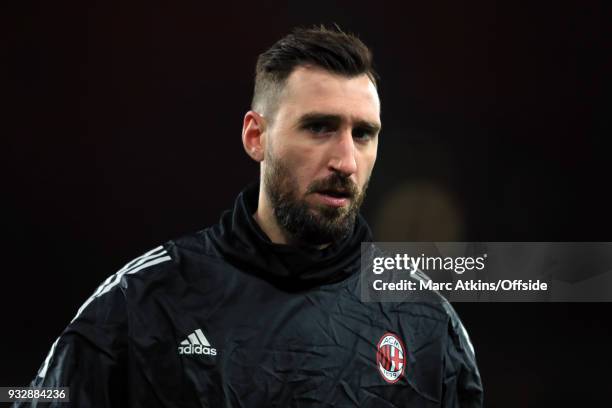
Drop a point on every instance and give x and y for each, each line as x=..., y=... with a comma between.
x=313, y=89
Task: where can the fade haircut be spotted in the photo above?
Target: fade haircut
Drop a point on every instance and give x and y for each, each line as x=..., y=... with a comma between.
x=331, y=49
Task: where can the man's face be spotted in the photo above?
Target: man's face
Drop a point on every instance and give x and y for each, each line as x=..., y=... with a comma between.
x=320, y=150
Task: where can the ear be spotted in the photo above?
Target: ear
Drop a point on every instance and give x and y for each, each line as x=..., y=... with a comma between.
x=253, y=128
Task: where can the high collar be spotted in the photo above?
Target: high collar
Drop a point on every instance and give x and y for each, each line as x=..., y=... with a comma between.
x=241, y=241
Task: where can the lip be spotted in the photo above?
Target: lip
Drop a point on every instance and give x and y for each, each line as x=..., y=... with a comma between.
x=333, y=201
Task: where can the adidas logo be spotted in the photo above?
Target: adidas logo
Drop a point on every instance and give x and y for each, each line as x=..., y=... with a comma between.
x=196, y=343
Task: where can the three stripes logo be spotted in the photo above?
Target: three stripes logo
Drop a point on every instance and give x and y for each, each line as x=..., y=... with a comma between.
x=153, y=257
x=391, y=358
x=196, y=343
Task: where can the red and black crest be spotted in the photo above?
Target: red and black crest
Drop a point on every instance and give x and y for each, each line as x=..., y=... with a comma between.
x=391, y=358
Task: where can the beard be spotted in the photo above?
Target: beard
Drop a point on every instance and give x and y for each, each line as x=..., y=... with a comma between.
x=305, y=223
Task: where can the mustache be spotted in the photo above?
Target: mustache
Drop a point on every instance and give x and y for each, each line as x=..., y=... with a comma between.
x=335, y=183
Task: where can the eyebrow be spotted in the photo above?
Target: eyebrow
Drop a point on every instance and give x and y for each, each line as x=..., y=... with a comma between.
x=312, y=117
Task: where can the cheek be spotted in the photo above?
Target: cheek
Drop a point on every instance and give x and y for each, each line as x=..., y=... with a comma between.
x=366, y=165
x=303, y=165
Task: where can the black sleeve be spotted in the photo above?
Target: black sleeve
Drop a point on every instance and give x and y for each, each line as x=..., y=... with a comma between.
x=462, y=384
x=89, y=356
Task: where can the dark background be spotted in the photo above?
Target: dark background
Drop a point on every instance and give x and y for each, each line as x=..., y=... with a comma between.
x=122, y=130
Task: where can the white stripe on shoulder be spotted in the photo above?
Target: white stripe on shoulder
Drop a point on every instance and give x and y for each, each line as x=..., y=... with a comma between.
x=153, y=257
x=135, y=262
x=134, y=266
x=154, y=252
x=43, y=371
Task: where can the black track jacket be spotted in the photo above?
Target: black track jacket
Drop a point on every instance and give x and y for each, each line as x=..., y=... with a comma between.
x=226, y=318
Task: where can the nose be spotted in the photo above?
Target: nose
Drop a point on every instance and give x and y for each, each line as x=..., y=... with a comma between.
x=343, y=156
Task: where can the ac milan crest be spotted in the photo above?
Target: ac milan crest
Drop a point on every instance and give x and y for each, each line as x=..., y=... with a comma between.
x=391, y=358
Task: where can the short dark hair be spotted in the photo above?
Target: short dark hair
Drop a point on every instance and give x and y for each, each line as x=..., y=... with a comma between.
x=331, y=49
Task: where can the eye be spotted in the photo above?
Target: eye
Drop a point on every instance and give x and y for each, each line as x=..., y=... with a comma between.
x=363, y=134
x=318, y=127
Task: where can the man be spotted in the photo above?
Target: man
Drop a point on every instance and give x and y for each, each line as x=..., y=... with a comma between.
x=263, y=309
